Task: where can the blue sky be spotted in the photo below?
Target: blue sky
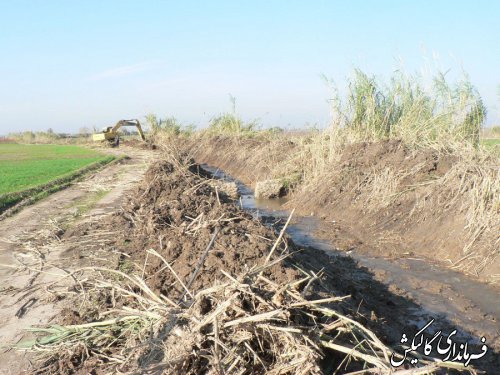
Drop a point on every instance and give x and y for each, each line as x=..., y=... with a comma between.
x=69, y=64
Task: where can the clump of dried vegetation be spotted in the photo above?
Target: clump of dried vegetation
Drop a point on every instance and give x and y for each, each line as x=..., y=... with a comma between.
x=243, y=324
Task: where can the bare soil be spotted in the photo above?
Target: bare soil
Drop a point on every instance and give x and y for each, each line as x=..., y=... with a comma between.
x=248, y=159
x=168, y=212
x=423, y=218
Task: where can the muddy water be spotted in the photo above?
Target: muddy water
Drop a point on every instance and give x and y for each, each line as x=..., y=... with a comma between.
x=439, y=292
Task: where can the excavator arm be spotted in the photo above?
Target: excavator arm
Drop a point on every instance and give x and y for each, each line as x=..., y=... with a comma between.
x=110, y=134
x=135, y=123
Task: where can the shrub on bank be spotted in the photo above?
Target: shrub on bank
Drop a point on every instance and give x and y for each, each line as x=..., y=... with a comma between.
x=167, y=126
x=230, y=123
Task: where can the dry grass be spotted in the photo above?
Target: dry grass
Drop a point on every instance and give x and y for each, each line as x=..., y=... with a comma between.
x=478, y=193
x=239, y=325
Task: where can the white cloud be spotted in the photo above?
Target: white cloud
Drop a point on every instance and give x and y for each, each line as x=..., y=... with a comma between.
x=122, y=71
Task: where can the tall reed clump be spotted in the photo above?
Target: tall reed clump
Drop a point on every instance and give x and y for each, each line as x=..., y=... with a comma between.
x=437, y=113
x=231, y=123
x=432, y=113
x=166, y=126
x=423, y=113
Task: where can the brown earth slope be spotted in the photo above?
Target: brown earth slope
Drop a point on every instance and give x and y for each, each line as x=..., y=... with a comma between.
x=381, y=198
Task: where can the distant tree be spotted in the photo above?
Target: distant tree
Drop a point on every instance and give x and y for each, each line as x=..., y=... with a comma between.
x=28, y=136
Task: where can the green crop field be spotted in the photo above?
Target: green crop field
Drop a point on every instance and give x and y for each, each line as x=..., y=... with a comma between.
x=25, y=167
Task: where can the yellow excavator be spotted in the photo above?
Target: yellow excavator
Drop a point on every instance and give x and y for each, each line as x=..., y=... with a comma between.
x=110, y=133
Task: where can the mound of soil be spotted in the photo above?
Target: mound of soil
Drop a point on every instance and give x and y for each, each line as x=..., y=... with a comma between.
x=256, y=158
x=200, y=232
x=137, y=143
x=177, y=213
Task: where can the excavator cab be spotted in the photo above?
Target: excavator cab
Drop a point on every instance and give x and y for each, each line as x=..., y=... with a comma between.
x=110, y=133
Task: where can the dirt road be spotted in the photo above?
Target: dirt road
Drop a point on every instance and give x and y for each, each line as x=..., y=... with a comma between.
x=33, y=271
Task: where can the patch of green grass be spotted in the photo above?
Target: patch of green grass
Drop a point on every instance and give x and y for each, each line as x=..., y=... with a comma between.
x=27, y=166
x=490, y=143
x=230, y=123
x=126, y=266
x=85, y=204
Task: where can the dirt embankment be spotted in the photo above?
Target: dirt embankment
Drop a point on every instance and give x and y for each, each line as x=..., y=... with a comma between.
x=201, y=239
x=176, y=212
x=248, y=159
x=381, y=198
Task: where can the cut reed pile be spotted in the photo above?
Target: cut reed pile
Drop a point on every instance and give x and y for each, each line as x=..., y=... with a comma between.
x=244, y=306
x=243, y=324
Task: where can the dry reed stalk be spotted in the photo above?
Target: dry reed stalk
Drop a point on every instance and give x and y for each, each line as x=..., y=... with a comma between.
x=246, y=329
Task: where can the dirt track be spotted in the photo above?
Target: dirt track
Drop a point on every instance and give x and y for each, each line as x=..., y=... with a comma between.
x=32, y=266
